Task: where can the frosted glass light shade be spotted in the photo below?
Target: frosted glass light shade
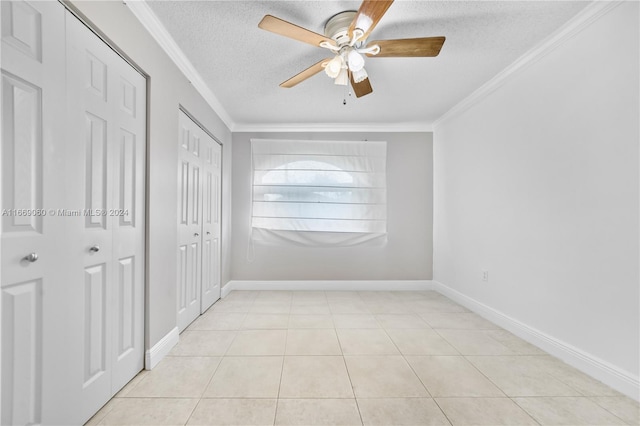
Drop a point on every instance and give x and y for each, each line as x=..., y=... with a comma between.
x=334, y=67
x=359, y=75
x=343, y=78
x=356, y=61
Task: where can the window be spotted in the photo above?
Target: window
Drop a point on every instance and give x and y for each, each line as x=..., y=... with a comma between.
x=319, y=192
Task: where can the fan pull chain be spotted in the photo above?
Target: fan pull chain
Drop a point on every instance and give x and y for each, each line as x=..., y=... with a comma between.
x=347, y=90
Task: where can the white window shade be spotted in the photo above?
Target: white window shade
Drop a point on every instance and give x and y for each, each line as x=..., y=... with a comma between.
x=319, y=192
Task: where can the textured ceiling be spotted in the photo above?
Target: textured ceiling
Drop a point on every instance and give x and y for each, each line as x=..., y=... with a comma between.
x=243, y=65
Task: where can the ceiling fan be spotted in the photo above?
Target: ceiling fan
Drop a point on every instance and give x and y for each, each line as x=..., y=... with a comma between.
x=345, y=35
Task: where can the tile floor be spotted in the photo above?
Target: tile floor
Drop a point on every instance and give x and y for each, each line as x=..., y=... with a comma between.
x=353, y=358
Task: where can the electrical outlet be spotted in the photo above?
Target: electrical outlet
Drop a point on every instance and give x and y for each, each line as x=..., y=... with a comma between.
x=485, y=276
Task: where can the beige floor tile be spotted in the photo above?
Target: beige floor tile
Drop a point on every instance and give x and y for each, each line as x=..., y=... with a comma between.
x=570, y=411
x=101, y=414
x=308, y=298
x=178, y=377
x=348, y=307
x=266, y=307
x=312, y=342
x=150, y=411
x=369, y=296
x=623, y=407
x=386, y=307
x=246, y=377
x=401, y=411
x=342, y=295
x=458, y=320
x=241, y=412
x=258, y=342
x=519, y=376
x=274, y=296
x=514, y=343
x=218, y=321
x=311, y=309
x=355, y=321
x=383, y=377
x=390, y=321
x=315, y=377
x=474, y=342
x=576, y=379
x=203, y=343
x=241, y=295
x=265, y=321
x=231, y=306
x=440, y=304
x=484, y=411
x=317, y=412
x=420, y=342
x=452, y=376
x=310, y=321
x=410, y=296
x=366, y=342
x=132, y=384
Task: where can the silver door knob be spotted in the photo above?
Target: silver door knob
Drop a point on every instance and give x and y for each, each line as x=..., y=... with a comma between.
x=196, y=235
x=31, y=257
x=95, y=248
x=208, y=233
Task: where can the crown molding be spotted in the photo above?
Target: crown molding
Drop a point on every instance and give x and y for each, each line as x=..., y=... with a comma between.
x=582, y=20
x=333, y=127
x=150, y=21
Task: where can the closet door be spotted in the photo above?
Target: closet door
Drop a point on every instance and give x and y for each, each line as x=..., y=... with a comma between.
x=199, y=177
x=106, y=122
x=211, y=189
x=32, y=271
x=72, y=228
x=189, y=222
x=32, y=279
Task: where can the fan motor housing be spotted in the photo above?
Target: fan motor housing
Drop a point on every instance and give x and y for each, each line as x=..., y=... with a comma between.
x=337, y=27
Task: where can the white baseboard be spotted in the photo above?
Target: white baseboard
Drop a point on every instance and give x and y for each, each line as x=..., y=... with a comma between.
x=329, y=285
x=154, y=355
x=609, y=374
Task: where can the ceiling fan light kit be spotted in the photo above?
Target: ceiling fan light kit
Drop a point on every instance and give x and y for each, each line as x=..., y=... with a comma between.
x=343, y=78
x=345, y=36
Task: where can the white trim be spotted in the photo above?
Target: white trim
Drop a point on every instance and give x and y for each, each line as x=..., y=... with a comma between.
x=154, y=355
x=609, y=374
x=150, y=21
x=331, y=285
x=578, y=23
x=334, y=127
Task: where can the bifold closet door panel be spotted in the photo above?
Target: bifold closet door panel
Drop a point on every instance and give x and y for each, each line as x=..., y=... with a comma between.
x=189, y=253
x=106, y=122
x=128, y=215
x=211, y=227
x=32, y=291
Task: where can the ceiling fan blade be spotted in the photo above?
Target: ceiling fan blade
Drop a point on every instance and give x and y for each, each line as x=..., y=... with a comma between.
x=408, y=47
x=287, y=29
x=361, y=89
x=302, y=76
x=368, y=16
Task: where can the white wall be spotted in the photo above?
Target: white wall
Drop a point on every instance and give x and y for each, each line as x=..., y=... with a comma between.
x=168, y=88
x=408, y=253
x=538, y=184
